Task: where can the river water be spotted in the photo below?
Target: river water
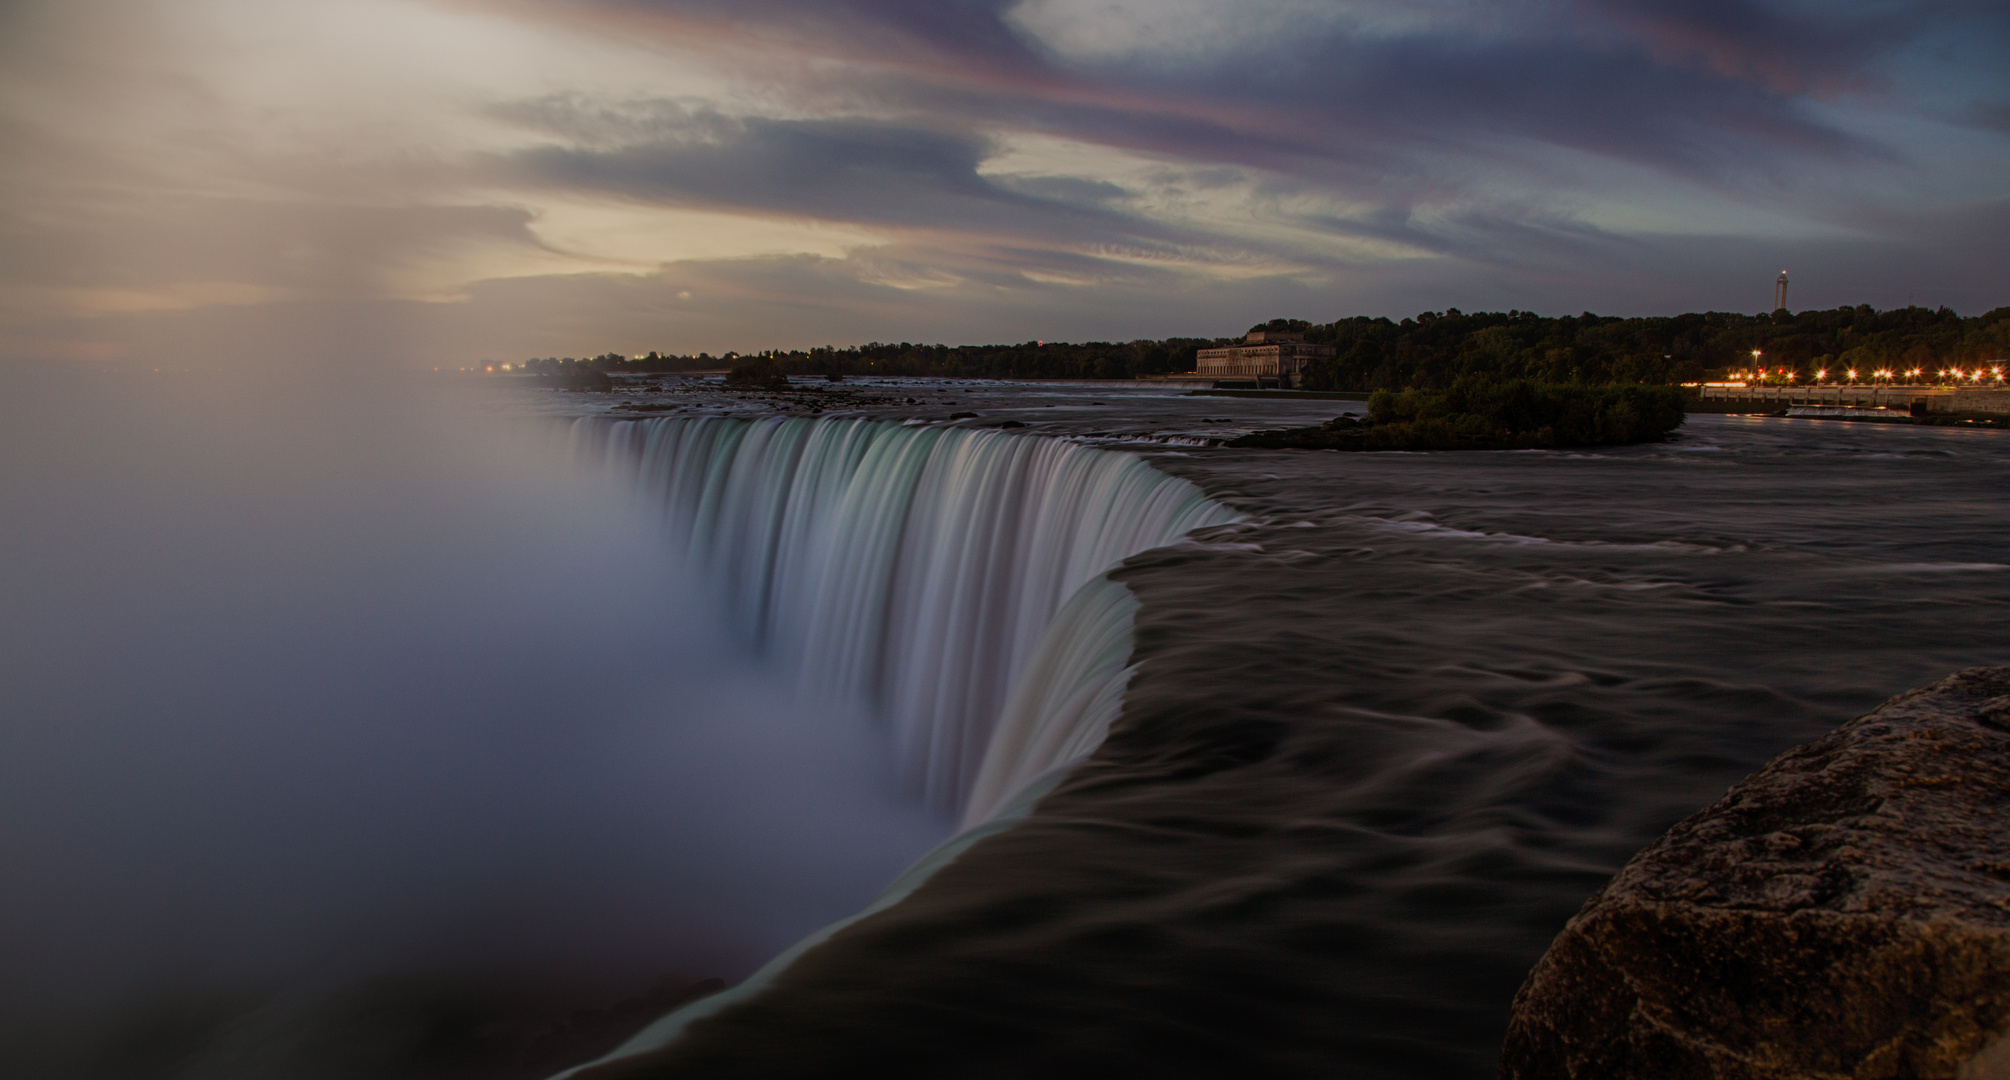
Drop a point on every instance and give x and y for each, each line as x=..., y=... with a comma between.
x=1389, y=732
x=308, y=689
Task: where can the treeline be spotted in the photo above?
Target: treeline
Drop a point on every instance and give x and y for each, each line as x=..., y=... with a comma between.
x=1434, y=349
x=1479, y=412
x=1029, y=360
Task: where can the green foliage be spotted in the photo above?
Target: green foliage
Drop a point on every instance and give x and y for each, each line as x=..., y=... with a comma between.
x=1480, y=413
x=758, y=371
x=1433, y=350
x=1028, y=360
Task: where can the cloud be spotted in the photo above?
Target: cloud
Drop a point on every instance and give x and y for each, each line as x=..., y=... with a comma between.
x=847, y=169
x=1784, y=49
x=937, y=162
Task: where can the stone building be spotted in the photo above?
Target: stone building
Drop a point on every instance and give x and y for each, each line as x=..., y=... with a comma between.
x=1275, y=357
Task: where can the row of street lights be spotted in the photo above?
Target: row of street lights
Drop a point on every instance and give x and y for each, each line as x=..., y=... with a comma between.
x=1979, y=375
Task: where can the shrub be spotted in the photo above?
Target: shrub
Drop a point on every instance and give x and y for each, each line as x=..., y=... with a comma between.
x=1481, y=413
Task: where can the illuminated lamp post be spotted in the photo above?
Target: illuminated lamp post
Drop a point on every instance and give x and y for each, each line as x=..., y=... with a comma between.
x=1852, y=376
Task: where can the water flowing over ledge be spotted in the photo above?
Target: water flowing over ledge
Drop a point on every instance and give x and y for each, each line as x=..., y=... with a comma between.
x=950, y=579
x=921, y=571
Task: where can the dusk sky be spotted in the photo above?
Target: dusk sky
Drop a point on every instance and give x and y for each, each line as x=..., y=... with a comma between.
x=463, y=180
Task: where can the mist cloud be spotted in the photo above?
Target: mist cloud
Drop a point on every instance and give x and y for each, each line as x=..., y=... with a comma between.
x=305, y=683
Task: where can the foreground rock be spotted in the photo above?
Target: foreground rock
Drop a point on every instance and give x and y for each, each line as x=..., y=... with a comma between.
x=1841, y=913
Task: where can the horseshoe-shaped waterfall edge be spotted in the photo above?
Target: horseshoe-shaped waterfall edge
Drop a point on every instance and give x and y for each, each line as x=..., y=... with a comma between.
x=951, y=580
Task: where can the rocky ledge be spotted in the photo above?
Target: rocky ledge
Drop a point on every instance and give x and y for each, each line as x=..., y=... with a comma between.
x=1841, y=913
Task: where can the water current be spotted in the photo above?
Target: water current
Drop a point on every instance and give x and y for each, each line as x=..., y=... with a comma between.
x=1387, y=733
x=307, y=690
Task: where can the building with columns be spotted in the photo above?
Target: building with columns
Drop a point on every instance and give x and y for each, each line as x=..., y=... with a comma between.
x=1265, y=356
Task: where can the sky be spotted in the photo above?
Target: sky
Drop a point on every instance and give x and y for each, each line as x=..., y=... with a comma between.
x=445, y=182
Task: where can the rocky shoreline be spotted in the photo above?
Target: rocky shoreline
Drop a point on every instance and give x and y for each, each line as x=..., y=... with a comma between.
x=1844, y=912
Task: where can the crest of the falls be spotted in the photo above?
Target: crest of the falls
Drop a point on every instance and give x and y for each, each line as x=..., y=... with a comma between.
x=922, y=570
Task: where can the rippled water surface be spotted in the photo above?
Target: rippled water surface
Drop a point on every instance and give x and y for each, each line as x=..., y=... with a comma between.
x=304, y=689
x=1391, y=732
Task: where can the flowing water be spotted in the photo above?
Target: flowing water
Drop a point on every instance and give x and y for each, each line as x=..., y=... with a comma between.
x=913, y=569
x=1384, y=735
x=1301, y=787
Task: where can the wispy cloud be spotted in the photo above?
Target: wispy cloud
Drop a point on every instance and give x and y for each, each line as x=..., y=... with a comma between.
x=977, y=162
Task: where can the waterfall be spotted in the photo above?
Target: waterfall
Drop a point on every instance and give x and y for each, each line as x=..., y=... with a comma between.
x=948, y=579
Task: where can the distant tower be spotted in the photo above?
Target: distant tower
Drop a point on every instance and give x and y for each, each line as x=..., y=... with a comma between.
x=1780, y=291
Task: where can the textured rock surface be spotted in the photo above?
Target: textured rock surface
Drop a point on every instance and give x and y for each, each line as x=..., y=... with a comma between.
x=1841, y=913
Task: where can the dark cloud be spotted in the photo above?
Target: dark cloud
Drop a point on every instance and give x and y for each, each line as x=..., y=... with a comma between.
x=1787, y=50
x=1656, y=81
x=874, y=172
x=1993, y=115
x=932, y=31
x=841, y=169
x=1535, y=154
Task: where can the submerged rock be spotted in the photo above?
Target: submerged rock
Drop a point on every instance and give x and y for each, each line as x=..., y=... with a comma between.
x=1840, y=913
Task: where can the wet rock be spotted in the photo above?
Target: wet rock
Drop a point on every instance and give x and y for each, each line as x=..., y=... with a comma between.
x=1840, y=913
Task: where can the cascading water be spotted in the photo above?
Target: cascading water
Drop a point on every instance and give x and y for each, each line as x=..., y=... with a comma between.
x=951, y=579
x=920, y=570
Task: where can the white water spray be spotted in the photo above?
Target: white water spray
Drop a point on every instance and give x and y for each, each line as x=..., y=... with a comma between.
x=953, y=580
x=926, y=572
